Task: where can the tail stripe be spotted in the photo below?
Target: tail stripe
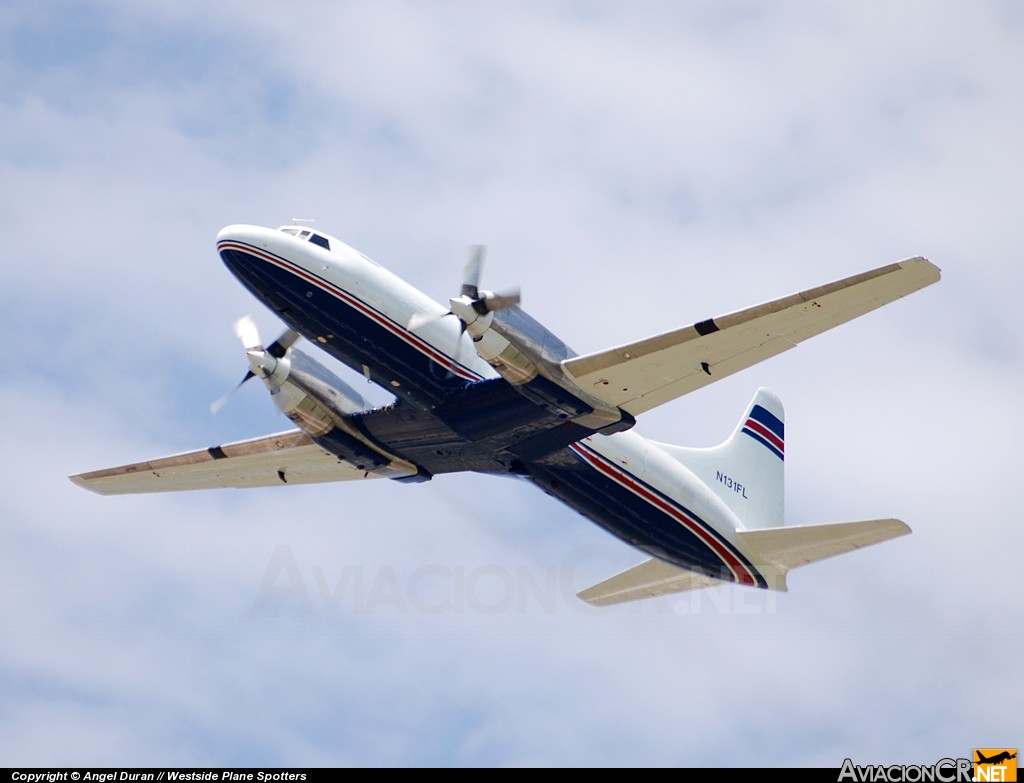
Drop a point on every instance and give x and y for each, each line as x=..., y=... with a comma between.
x=746, y=471
x=766, y=428
x=769, y=420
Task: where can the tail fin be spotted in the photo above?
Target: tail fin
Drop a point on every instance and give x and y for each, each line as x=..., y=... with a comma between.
x=746, y=471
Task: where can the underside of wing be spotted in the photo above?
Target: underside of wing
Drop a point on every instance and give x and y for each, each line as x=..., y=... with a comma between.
x=650, y=578
x=648, y=373
x=273, y=460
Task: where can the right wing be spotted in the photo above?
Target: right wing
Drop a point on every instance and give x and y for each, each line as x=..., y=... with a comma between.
x=642, y=375
x=286, y=458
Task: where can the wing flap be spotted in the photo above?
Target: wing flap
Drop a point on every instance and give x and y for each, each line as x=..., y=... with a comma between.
x=647, y=373
x=285, y=458
x=650, y=578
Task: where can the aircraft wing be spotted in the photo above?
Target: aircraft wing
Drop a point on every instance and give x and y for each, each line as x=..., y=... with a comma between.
x=642, y=375
x=285, y=458
x=650, y=578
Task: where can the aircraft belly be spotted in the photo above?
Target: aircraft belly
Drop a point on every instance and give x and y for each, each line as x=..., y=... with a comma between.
x=637, y=512
x=456, y=421
x=485, y=426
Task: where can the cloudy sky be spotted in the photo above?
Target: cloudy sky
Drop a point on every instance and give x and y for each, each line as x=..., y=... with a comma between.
x=634, y=167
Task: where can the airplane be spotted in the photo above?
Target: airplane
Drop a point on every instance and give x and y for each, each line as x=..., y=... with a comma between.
x=996, y=759
x=481, y=386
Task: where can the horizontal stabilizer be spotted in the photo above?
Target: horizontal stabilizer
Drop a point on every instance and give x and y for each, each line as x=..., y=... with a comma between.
x=273, y=460
x=791, y=547
x=650, y=578
x=774, y=551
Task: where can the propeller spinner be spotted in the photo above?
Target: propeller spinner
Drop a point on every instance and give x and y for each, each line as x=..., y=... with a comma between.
x=471, y=302
x=262, y=361
x=472, y=305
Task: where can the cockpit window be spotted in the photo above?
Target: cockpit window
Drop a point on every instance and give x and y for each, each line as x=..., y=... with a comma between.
x=317, y=239
x=307, y=234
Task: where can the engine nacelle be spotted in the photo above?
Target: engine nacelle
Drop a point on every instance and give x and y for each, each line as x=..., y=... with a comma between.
x=324, y=407
x=529, y=356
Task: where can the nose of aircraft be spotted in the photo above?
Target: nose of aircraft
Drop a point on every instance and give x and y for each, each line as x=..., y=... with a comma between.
x=270, y=263
x=241, y=232
x=243, y=235
x=244, y=248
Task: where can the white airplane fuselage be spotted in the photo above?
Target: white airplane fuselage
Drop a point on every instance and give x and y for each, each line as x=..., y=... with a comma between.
x=504, y=409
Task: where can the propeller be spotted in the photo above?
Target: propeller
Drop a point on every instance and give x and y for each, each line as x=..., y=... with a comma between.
x=482, y=302
x=472, y=303
x=471, y=271
x=470, y=296
x=246, y=331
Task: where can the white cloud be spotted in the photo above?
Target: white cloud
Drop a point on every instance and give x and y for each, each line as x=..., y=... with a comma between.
x=635, y=169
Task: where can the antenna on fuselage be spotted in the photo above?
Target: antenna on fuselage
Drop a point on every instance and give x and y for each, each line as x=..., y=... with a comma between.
x=298, y=221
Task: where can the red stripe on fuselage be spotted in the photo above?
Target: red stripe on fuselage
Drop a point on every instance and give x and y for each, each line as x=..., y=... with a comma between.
x=740, y=571
x=362, y=307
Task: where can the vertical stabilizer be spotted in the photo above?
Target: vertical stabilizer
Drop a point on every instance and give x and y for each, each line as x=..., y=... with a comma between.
x=746, y=471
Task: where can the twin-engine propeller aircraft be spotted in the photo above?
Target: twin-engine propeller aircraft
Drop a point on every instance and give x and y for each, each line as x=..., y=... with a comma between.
x=481, y=386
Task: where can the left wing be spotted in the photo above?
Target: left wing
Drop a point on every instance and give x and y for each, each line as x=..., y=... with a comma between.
x=286, y=458
x=642, y=375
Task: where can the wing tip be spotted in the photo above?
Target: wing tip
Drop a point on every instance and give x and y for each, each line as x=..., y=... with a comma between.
x=592, y=600
x=923, y=268
x=82, y=480
x=900, y=528
x=890, y=524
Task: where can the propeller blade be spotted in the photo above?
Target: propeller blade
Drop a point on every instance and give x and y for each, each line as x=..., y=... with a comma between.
x=457, y=353
x=419, y=320
x=504, y=300
x=246, y=331
x=471, y=272
x=280, y=346
x=218, y=404
x=490, y=302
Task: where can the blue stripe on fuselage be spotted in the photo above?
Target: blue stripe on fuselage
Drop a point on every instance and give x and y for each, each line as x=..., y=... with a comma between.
x=761, y=439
